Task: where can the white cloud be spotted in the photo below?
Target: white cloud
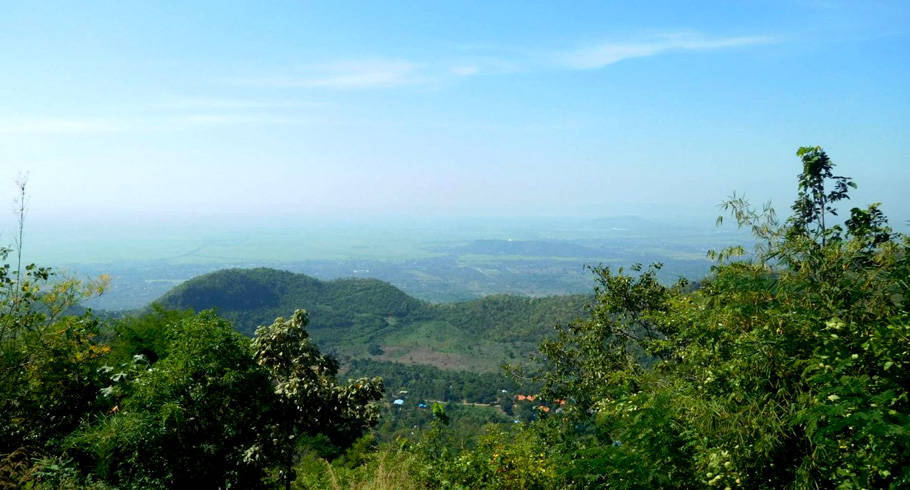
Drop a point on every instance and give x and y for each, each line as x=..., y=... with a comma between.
x=607, y=53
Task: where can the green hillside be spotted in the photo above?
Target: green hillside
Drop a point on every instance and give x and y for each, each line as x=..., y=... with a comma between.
x=371, y=319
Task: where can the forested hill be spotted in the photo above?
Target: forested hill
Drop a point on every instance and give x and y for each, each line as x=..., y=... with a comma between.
x=253, y=297
x=371, y=319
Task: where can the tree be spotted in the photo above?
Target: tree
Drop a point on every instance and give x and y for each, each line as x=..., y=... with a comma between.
x=310, y=402
x=606, y=350
x=814, y=200
x=48, y=358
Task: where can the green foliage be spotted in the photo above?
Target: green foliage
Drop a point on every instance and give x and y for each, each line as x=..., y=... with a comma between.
x=145, y=334
x=309, y=399
x=815, y=199
x=431, y=383
x=504, y=318
x=606, y=351
x=857, y=418
x=54, y=383
x=189, y=419
x=166, y=399
x=48, y=365
x=206, y=406
x=510, y=457
x=439, y=413
x=465, y=422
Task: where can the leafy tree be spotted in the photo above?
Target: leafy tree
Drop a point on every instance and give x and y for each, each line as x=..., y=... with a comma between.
x=48, y=363
x=49, y=384
x=604, y=351
x=815, y=200
x=310, y=401
x=188, y=420
x=869, y=226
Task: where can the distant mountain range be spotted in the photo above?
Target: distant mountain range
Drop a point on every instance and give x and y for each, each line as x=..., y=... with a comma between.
x=370, y=319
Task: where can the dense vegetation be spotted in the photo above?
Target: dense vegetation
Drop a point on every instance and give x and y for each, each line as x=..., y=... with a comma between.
x=164, y=400
x=785, y=367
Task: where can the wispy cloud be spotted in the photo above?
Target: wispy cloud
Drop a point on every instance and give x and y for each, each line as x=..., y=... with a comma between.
x=357, y=74
x=606, y=53
x=378, y=73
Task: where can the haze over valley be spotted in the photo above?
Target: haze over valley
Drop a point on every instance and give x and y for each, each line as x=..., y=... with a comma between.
x=443, y=261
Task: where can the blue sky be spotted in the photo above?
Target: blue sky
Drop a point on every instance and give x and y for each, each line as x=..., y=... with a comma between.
x=167, y=110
